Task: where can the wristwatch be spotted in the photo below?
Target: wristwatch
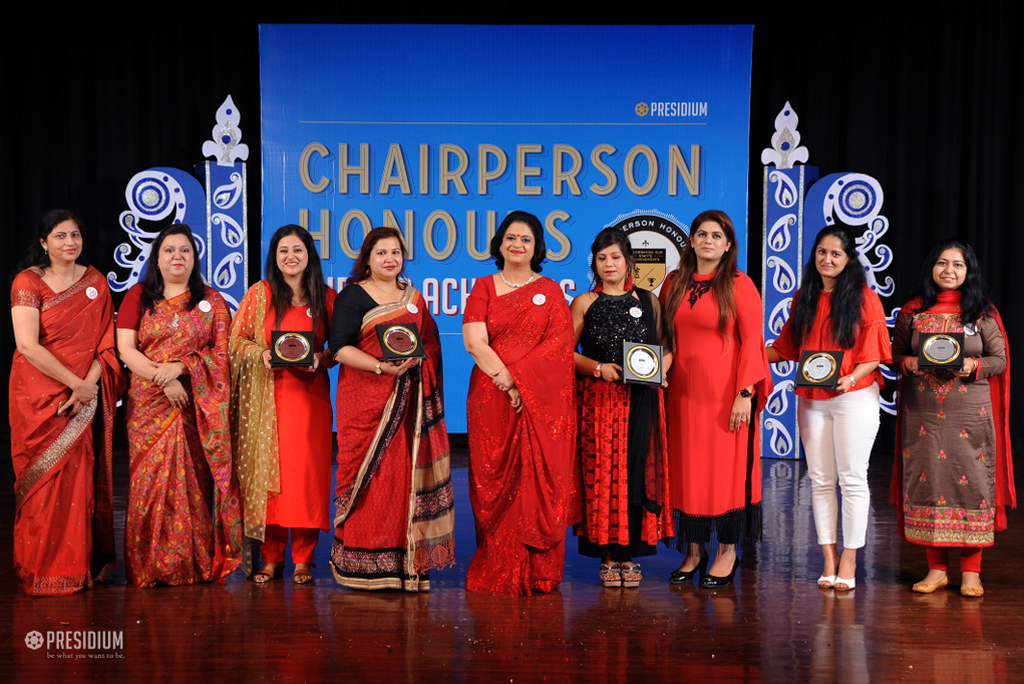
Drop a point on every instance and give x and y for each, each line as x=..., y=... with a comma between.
x=745, y=393
x=376, y=369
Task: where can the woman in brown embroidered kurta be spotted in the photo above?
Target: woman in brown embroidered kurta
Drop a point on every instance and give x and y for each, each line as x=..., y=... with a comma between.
x=953, y=475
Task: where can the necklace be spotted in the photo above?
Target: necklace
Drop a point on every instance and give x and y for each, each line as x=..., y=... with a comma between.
x=66, y=283
x=374, y=285
x=501, y=274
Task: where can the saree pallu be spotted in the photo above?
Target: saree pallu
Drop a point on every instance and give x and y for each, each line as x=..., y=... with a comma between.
x=524, y=475
x=64, y=525
x=395, y=507
x=183, y=521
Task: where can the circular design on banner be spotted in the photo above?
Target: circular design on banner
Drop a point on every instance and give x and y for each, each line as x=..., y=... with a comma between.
x=635, y=312
x=819, y=367
x=309, y=313
x=151, y=197
x=658, y=242
x=205, y=306
x=539, y=299
x=941, y=349
x=642, y=362
x=34, y=640
x=412, y=308
x=642, y=109
x=292, y=347
x=91, y=293
x=400, y=340
x=857, y=199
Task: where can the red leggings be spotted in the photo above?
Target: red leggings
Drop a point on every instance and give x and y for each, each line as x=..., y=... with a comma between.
x=303, y=544
x=938, y=559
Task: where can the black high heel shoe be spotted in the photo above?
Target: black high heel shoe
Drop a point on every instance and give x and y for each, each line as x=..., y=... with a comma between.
x=680, y=577
x=712, y=582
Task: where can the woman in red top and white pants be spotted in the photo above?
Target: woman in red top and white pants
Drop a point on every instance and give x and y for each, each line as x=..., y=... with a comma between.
x=835, y=310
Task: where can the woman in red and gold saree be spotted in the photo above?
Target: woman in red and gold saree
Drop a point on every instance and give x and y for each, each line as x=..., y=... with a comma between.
x=65, y=382
x=521, y=413
x=395, y=508
x=281, y=417
x=183, y=522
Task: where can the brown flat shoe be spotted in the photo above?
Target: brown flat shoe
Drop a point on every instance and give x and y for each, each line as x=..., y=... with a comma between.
x=972, y=592
x=925, y=588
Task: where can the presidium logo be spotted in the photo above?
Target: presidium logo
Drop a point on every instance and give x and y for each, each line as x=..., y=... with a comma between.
x=657, y=241
x=671, y=109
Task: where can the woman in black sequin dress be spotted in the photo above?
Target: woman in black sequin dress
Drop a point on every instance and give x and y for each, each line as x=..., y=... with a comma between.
x=621, y=432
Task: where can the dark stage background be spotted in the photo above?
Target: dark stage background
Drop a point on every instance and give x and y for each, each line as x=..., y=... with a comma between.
x=925, y=97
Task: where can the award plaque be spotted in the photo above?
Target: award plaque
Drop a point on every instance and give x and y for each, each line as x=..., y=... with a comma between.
x=400, y=341
x=291, y=348
x=641, y=363
x=941, y=350
x=819, y=369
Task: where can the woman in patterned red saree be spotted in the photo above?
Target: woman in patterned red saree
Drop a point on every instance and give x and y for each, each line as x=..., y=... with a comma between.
x=523, y=474
x=65, y=381
x=395, y=518
x=183, y=522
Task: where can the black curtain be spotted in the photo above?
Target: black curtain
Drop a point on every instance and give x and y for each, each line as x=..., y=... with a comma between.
x=924, y=97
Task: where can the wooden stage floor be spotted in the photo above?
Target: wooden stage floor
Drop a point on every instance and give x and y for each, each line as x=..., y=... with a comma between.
x=772, y=625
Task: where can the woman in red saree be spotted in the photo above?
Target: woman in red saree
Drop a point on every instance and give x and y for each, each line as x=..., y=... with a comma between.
x=395, y=516
x=281, y=417
x=65, y=382
x=523, y=472
x=183, y=522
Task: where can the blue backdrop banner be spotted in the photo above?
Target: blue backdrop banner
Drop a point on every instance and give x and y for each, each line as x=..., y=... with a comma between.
x=440, y=131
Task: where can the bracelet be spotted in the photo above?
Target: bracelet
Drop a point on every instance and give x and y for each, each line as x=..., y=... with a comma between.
x=597, y=370
x=853, y=380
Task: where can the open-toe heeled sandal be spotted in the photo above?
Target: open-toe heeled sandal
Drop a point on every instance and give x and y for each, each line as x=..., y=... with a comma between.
x=263, y=576
x=303, y=576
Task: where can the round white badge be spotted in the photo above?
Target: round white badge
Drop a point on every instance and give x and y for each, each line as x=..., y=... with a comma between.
x=635, y=312
x=970, y=329
x=412, y=308
x=539, y=299
x=309, y=313
x=91, y=293
x=205, y=306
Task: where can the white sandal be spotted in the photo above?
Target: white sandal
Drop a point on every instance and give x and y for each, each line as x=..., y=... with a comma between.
x=826, y=581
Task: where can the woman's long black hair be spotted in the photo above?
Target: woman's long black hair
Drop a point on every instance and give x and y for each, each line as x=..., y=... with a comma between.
x=847, y=293
x=975, y=301
x=153, y=280
x=314, y=290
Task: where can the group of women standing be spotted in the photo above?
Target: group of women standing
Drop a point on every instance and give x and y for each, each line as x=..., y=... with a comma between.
x=225, y=445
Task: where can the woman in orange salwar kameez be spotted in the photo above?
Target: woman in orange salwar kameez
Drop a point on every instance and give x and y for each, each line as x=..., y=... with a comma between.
x=183, y=523
x=281, y=417
x=65, y=381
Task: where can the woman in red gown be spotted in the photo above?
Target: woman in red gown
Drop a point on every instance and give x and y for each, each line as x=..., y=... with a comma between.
x=183, y=524
x=395, y=518
x=523, y=474
x=281, y=417
x=717, y=364
x=65, y=382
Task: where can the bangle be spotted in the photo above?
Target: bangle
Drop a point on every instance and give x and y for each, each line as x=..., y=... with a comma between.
x=376, y=369
x=853, y=380
x=597, y=370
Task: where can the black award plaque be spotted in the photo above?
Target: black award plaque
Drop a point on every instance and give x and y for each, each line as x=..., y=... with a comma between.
x=400, y=341
x=819, y=369
x=941, y=350
x=642, y=363
x=291, y=348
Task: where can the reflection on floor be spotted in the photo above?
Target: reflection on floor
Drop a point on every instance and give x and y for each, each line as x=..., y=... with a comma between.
x=773, y=624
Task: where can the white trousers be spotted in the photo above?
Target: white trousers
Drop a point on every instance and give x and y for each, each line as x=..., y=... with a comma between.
x=837, y=435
